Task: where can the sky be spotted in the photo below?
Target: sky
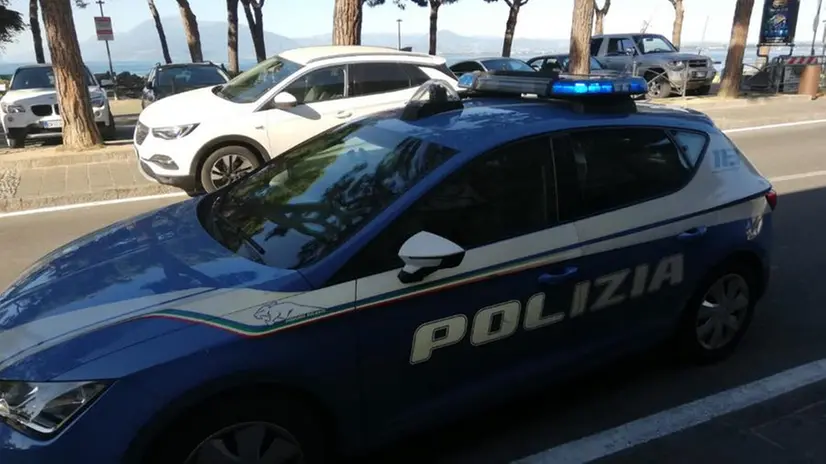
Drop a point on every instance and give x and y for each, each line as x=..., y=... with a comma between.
x=538, y=18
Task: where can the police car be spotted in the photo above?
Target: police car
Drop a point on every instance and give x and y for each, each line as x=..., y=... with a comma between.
x=387, y=275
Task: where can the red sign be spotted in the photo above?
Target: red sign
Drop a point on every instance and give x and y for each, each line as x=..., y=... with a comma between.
x=103, y=27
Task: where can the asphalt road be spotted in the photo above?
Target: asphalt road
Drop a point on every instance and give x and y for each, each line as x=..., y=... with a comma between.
x=787, y=331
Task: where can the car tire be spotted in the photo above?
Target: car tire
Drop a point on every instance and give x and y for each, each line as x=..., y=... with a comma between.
x=110, y=132
x=658, y=86
x=704, y=90
x=226, y=165
x=706, y=310
x=285, y=423
x=16, y=140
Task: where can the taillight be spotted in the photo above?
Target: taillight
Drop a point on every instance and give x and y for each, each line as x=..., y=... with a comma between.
x=771, y=198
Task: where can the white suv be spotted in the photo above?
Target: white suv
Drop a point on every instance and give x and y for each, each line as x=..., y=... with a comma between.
x=29, y=108
x=204, y=139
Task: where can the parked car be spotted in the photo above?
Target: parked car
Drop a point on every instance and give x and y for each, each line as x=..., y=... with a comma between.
x=489, y=64
x=559, y=63
x=29, y=108
x=655, y=58
x=204, y=139
x=165, y=80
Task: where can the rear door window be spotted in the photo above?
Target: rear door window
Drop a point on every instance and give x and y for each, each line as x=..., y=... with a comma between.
x=375, y=78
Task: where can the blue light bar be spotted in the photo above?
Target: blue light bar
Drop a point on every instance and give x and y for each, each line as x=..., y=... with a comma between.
x=558, y=86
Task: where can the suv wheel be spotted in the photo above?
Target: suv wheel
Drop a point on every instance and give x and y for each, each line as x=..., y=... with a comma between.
x=226, y=165
x=717, y=316
x=658, y=86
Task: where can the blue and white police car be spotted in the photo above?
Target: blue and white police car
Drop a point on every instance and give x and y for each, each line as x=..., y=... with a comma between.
x=389, y=273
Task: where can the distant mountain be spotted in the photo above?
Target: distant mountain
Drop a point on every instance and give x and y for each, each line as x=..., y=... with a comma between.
x=141, y=43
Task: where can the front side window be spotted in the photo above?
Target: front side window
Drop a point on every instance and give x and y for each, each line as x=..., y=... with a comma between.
x=320, y=85
x=373, y=78
x=40, y=77
x=614, y=168
x=620, y=46
x=504, y=194
x=653, y=44
x=596, y=44
x=252, y=84
x=306, y=202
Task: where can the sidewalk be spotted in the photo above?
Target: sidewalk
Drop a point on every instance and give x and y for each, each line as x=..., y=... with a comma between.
x=788, y=429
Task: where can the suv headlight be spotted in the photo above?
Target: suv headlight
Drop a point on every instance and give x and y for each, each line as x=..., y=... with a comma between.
x=98, y=100
x=173, y=132
x=44, y=407
x=11, y=108
x=676, y=65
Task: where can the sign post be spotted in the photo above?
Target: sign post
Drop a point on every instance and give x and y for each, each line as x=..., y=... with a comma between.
x=103, y=27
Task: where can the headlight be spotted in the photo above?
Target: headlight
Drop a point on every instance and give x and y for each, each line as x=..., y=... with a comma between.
x=173, y=132
x=44, y=407
x=98, y=101
x=7, y=108
x=677, y=65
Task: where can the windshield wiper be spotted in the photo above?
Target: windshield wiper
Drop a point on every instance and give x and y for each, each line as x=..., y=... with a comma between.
x=239, y=233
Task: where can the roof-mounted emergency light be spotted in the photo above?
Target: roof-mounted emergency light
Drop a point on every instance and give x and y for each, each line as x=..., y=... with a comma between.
x=551, y=85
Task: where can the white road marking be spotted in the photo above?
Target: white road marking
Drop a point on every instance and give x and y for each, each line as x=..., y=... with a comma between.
x=54, y=209
x=775, y=126
x=680, y=418
x=802, y=175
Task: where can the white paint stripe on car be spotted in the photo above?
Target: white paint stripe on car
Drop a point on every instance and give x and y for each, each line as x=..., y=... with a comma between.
x=679, y=418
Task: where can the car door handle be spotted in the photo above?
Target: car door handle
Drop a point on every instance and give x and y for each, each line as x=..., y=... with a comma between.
x=693, y=234
x=551, y=279
x=343, y=114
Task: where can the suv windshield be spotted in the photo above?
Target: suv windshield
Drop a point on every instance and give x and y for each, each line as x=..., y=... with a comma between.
x=506, y=64
x=178, y=78
x=41, y=77
x=250, y=85
x=653, y=44
x=309, y=200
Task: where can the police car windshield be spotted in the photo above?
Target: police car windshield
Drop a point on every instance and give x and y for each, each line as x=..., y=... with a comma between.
x=40, y=77
x=252, y=84
x=309, y=200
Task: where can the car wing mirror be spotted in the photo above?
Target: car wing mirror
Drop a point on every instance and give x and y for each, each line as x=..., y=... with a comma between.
x=284, y=100
x=630, y=51
x=425, y=253
x=149, y=85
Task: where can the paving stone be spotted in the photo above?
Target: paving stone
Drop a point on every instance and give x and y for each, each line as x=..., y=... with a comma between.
x=53, y=181
x=100, y=177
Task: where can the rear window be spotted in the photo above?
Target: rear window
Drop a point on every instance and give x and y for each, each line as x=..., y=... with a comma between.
x=691, y=144
x=183, y=77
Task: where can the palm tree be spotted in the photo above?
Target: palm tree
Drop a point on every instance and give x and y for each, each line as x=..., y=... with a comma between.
x=159, y=26
x=193, y=36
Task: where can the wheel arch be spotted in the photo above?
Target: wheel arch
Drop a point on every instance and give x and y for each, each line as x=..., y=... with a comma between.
x=225, y=141
x=151, y=437
x=752, y=260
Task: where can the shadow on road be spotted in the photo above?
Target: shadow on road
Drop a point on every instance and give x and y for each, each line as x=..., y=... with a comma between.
x=787, y=332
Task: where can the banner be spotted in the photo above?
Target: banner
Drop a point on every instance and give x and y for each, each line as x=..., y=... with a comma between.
x=779, y=22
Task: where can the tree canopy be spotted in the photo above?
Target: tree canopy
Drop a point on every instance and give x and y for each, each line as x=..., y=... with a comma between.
x=11, y=23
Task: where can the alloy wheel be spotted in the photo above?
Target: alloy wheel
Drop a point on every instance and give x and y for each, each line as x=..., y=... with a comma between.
x=248, y=443
x=228, y=169
x=722, y=312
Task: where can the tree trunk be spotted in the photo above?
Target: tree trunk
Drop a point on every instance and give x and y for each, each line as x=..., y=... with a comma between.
x=599, y=17
x=232, y=36
x=580, y=51
x=346, y=22
x=34, y=25
x=79, y=128
x=193, y=37
x=161, y=34
x=510, y=26
x=255, y=20
x=434, y=24
x=677, y=30
x=733, y=71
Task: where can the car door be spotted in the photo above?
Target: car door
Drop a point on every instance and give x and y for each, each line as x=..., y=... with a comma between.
x=381, y=86
x=321, y=104
x=442, y=344
x=639, y=250
x=616, y=55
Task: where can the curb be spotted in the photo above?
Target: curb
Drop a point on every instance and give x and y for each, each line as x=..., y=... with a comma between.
x=69, y=159
x=9, y=205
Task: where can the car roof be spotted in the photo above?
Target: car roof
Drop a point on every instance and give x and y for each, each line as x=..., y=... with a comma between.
x=611, y=36
x=187, y=65
x=487, y=122
x=306, y=55
x=38, y=65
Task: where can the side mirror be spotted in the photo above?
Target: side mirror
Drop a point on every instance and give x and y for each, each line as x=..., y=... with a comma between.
x=630, y=51
x=149, y=85
x=425, y=253
x=3, y=87
x=106, y=83
x=284, y=100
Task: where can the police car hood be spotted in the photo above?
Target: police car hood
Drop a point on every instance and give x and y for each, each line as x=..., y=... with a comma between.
x=115, y=275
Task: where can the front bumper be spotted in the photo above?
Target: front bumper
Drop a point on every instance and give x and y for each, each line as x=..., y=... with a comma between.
x=696, y=77
x=49, y=125
x=187, y=183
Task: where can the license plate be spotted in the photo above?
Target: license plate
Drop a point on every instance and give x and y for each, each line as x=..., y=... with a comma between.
x=699, y=74
x=51, y=124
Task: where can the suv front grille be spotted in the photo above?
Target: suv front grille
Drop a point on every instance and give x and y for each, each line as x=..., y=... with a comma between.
x=141, y=131
x=697, y=63
x=42, y=110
